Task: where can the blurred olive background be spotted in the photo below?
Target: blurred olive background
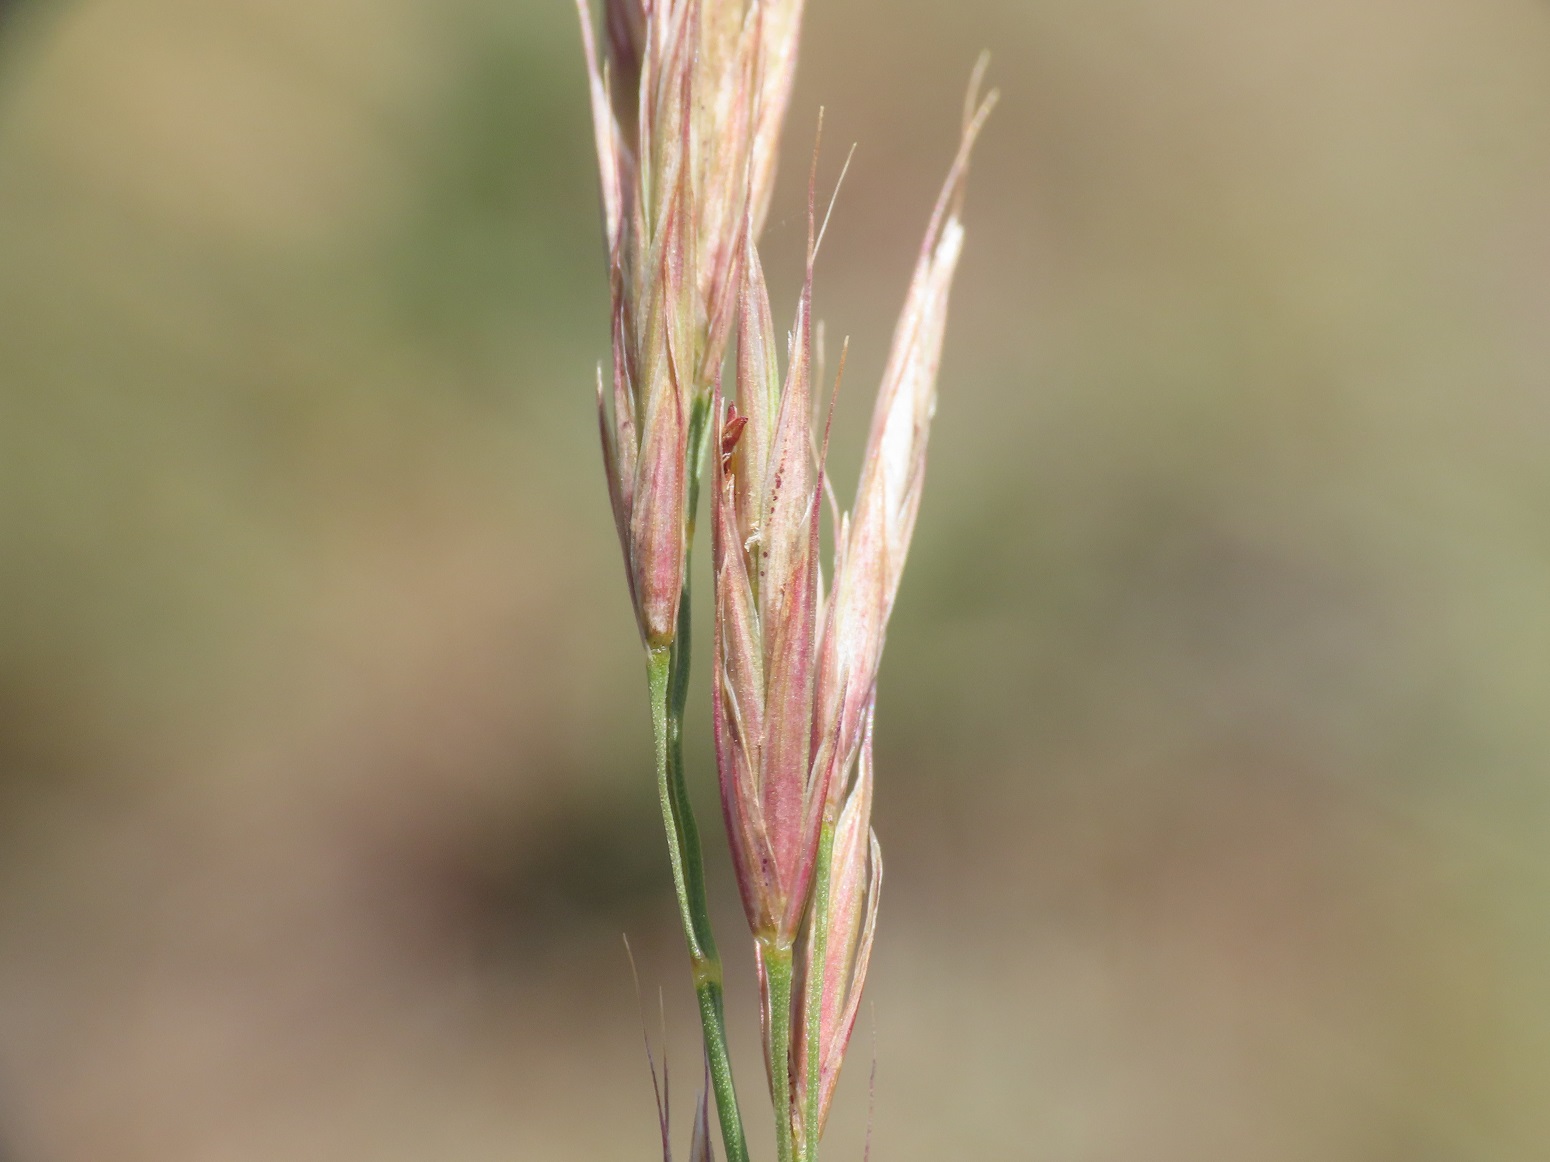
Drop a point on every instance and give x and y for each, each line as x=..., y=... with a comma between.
x=1214, y=735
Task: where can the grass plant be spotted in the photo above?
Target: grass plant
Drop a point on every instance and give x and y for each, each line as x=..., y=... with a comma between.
x=688, y=102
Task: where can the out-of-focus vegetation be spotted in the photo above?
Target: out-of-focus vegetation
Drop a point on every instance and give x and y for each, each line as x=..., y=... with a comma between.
x=1214, y=751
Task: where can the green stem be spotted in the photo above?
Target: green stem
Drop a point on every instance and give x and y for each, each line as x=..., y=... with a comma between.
x=713, y=1021
x=683, y=846
x=658, y=667
x=814, y=1031
x=668, y=673
x=778, y=970
x=693, y=896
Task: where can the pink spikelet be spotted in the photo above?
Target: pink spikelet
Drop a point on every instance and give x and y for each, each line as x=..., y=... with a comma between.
x=687, y=107
x=795, y=670
x=856, y=880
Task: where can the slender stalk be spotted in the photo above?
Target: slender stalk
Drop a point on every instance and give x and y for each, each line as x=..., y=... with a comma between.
x=658, y=667
x=693, y=896
x=778, y=968
x=683, y=846
x=713, y=1021
x=668, y=674
x=814, y=1030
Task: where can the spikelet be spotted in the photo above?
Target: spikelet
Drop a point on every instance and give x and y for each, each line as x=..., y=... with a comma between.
x=875, y=536
x=687, y=111
x=795, y=672
x=856, y=881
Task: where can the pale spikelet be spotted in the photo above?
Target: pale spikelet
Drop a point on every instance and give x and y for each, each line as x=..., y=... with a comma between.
x=765, y=550
x=795, y=673
x=856, y=880
x=777, y=69
x=874, y=538
x=687, y=112
x=788, y=703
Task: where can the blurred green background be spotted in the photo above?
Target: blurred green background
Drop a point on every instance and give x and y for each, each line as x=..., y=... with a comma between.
x=1214, y=745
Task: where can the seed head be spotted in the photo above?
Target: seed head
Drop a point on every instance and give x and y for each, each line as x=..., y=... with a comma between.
x=765, y=550
x=795, y=673
x=687, y=111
